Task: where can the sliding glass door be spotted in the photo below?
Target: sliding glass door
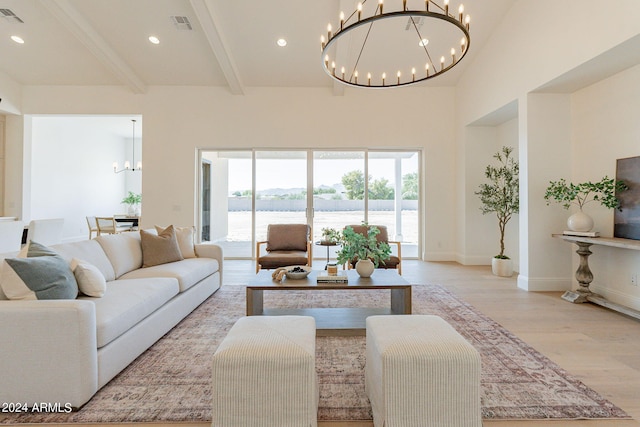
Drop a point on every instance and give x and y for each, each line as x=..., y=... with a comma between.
x=281, y=189
x=251, y=189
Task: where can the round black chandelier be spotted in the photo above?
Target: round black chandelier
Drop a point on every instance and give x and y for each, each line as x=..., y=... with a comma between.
x=382, y=47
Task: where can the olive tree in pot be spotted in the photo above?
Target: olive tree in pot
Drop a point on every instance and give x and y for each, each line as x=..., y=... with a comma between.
x=501, y=196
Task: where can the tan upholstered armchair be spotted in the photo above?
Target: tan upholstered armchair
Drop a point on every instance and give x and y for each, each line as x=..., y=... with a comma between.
x=395, y=260
x=286, y=244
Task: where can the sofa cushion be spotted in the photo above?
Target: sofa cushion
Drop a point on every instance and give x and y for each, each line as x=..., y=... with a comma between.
x=123, y=250
x=185, y=237
x=43, y=275
x=90, y=251
x=90, y=280
x=127, y=303
x=282, y=259
x=287, y=237
x=159, y=248
x=188, y=272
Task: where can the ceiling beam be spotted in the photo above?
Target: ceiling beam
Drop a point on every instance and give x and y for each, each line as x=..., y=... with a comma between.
x=73, y=21
x=208, y=21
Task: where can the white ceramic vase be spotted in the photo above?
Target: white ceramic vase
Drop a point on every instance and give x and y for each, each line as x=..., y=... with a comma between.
x=580, y=221
x=365, y=267
x=502, y=267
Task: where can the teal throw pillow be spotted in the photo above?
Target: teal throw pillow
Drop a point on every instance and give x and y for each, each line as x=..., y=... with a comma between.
x=43, y=275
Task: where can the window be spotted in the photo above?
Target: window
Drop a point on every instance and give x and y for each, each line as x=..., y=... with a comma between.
x=251, y=189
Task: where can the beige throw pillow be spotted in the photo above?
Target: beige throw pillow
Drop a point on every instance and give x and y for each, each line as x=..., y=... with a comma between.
x=185, y=237
x=90, y=280
x=159, y=249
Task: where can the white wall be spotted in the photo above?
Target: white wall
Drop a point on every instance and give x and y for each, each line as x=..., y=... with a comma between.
x=179, y=120
x=606, y=128
x=518, y=59
x=545, y=149
x=2, y=179
x=10, y=95
x=72, y=175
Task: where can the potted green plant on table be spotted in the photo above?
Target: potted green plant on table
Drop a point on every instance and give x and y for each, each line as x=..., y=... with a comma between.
x=330, y=236
x=501, y=196
x=568, y=194
x=364, y=250
x=133, y=201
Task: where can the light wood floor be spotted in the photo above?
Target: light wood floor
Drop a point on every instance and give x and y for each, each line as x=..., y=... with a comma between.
x=598, y=346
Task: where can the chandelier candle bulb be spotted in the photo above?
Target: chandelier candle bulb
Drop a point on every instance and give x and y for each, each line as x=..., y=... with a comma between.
x=466, y=21
x=381, y=4
x=355, y=74
x=426, y=67
x=398, y=77
x=333, y=67
x=328, y=32
x=326, y=61
x=461, y=12
x=453, y=54
x=322, y=42
x=384, y=76
x=359, y=11
x=426, y=5
x=404, y=4
x=413, y=74
x=342, y=20
x=441, y=63
x=369, y=79
x=342, y=70
x=446, y=7
x=463, y=45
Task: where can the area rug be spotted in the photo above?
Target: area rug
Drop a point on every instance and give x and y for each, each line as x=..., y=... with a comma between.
x=170, y=381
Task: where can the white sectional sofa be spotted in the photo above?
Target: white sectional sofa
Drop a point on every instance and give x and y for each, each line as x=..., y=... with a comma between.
x=64, y=351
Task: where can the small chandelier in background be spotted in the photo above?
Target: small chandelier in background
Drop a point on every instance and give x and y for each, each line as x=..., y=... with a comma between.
x=127, y=164
x=393, y=36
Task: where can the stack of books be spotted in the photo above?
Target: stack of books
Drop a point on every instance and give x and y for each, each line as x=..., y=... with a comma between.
x=581, y=233
x=339, y=279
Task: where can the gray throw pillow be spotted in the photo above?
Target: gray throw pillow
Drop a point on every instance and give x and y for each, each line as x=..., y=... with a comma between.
x=43, y=275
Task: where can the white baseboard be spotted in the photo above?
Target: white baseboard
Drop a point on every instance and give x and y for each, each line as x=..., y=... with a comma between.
x=473, y=259
x=439, y=256
x=543, y=284
x=616, y=296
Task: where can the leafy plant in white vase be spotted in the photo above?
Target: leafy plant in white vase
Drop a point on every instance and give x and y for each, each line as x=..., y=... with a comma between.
x=365, y=251
x=501, y=196
x=568, y=194
x=133, y=201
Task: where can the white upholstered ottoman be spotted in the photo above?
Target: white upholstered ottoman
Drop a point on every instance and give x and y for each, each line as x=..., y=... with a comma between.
x=264, y=373
x=421, y=372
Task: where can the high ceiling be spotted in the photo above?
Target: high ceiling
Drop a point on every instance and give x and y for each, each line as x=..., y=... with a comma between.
x=232, y=43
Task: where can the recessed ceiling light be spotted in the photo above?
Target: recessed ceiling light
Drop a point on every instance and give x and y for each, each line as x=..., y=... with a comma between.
x=154, y=40
x=281, y=42
x=423, y=42
x=17, y=39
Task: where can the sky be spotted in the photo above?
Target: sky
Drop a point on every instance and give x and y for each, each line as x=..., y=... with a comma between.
x=291, y=173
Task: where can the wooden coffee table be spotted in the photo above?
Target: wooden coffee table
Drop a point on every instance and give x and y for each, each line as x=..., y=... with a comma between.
x=332, y=321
